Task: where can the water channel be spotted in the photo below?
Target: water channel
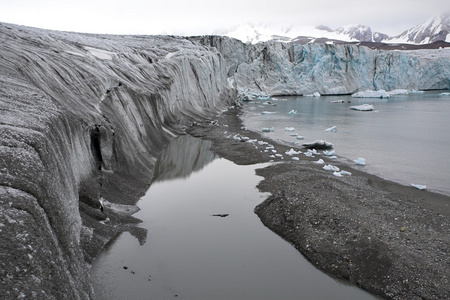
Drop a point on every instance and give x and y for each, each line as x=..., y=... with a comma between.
x=192, y=254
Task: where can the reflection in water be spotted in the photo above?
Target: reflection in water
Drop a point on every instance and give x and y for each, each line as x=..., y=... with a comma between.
x=192, y=254
x=183, y=156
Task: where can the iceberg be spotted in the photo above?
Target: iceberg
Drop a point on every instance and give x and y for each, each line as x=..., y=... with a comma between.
x=315, y=94
x=265, y=129
x=319, y=162
x=295, y=158
x=319, y=144
x=292, y=152
x=398, y=92
x=444, y=94
x=419, y=186
x=264, y=97
x=363, y=107
x=300, y=137
x=293, y=112
x=360, y=161
x=289, y=128
x=371, y=94
x=329, y=153
x=331, y=129
x=331, y=168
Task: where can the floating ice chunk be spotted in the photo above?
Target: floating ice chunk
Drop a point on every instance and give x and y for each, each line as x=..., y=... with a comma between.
x=267, y=112
x=289, y=128
x=262, y=143
x=278, y=155
x=444, y=94
x=272, y=129
x=292, y=152
x=419, y=186
x=313, y=151
x=363, y=107
x=319, y=162
x=319, y=144
x=274, y=151
x=360, y=161
x=346, y=173
x=398, y=92
x=294, y=134
x=338, y=174
x=315, y=94
x=308, y=154
x=252, y=141
x=371, y=94
x=300, y=137
x=295, y=158
x=417, y=92
x=293, y=112
x=270, y=147
x=329, y=153
x=263, y=97
x=338, y=101
x=331, y=129
x=272, y=156
x=330, y=168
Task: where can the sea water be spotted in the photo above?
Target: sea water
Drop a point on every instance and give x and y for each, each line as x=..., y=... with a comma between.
x=404, y=139
x=191, y=253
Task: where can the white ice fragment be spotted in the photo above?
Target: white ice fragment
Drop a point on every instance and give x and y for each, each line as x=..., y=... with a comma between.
x=262, y=143
x=319, y=162
x=330, y=168
x=338, y=174
x=263, y=97
x=289, y=128
x=295, y=158
x=293, y=112
x=329, y=153
x=278, y=155
x=272, y=129
x=363, y=107
x=267, y=112
x=338, y=101
x=346, y=173
x=398, y=92
x=315, y=94
x=300, y=137
x=272, y=156
x=274, y=151
x=360, y=161
x=419, y=186
x=309, y=154
x=371, y=94
x=444, y=94
x=331, y=129
x=292, y=152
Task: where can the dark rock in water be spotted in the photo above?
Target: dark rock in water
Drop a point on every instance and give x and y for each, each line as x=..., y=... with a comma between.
x=319, y=145
x=221, y=215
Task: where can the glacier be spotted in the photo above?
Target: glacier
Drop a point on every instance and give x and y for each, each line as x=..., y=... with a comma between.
x=84, y=117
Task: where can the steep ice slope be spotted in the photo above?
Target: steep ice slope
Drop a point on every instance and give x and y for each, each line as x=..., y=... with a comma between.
x=293, y=69
x=432, y=30
x=83, y=118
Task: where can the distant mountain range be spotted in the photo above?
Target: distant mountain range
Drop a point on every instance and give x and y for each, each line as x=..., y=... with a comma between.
x=433, y=30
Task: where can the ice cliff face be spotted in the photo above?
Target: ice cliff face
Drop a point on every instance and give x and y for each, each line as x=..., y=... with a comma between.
x=294, y=69
x=83, y=119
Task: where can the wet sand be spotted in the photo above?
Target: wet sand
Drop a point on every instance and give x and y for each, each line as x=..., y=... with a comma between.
x=389, y=239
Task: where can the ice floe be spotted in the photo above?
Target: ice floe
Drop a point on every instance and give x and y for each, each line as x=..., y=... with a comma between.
x=295, y=158
x=289, y=128
x=319, y=162
x=371, y=94
x=419, y=186
x=293, y=112
x=444, y=94
x=329, y=153
x=363, y=107
x=330, y=168
x=360, y=161
x=331, y=129
x=315, y=94
x=292, y=152
x=272, y=129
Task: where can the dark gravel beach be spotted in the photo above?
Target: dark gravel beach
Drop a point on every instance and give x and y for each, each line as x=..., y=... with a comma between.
x=389, y=239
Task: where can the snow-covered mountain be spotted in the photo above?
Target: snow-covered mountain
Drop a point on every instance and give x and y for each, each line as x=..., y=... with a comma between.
x=434, y=29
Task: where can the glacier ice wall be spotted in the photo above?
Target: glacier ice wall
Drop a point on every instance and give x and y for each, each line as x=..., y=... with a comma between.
x=293, y=69
x=83, y=118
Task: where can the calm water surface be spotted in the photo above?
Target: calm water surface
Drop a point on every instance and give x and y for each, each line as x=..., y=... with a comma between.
x=405, y=139
x=190, y=254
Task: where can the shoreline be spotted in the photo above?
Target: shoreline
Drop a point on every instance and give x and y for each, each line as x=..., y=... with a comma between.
x=391, y=240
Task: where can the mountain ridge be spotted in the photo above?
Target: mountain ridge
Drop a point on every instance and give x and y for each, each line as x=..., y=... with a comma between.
x=432, y=30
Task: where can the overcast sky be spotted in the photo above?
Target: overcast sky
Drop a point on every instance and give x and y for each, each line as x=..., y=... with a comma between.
x=188, y=17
